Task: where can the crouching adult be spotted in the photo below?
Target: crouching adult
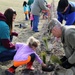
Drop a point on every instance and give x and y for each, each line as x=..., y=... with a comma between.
x=67, y=35
x=7, y=49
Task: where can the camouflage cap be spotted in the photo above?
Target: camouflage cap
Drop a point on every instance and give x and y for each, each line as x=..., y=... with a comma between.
x=53, y=22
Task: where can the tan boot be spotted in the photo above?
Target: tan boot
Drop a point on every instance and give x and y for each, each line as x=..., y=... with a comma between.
x=29, y=66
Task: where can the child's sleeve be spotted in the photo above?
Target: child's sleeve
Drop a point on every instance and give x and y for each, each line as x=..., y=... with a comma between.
x=18, y=45
x=38, y=59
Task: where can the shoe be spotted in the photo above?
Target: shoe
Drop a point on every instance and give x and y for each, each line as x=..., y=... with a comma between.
x=10, y=71
x=35, y=30
x=29, y=66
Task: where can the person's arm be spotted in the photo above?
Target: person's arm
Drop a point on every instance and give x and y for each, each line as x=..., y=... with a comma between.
x=24, y=8
x=14, y=34
x=71, y=40
x=46, y=2
x=60, y=18
x=70, y=19
x=7, y=44
x=18, y=45
x=40, y=61
x=42, y=5
x=5, y=37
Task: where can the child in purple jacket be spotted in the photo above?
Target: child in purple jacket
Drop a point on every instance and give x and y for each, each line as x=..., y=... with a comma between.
x=26, y=54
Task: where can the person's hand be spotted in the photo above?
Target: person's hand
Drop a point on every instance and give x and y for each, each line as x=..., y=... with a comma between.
x=44, y=65
x=44, y=11
x=48, y=68
x=48, y=5
x=66, y=64
x=63, y=59
x=14, y=34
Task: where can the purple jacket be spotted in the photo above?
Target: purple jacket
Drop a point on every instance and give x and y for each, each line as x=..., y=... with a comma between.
x=23, y=51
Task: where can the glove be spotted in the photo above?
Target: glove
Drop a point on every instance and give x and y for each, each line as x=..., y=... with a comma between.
x=63, y=59
x=14, y=34
x=66, y=64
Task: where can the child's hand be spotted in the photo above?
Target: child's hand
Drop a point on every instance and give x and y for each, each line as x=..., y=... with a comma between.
x=44, y=65
x=48, y=5
x=14, y=34
x=44, y=11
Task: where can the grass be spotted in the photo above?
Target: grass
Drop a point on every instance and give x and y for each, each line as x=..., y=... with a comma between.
x=16, y=4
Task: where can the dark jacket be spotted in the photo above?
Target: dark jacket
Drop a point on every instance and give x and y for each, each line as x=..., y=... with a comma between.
x=69, y=15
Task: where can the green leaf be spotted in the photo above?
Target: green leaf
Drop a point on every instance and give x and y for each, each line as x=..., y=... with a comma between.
x=55, y=59
x=46, y=42
x=43, y=55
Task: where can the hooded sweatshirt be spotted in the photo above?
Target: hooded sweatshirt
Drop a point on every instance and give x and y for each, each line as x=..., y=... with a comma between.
x=5, y=43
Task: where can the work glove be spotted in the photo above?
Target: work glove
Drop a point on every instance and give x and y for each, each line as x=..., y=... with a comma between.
x=63, y=59
x=66, y=64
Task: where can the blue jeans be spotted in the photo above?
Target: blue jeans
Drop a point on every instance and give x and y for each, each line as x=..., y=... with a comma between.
x=7, y=55
x=26, y=16
x=35, y=22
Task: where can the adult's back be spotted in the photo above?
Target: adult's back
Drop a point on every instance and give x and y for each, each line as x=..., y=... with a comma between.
x=38, y=6
x=66, y=11
x=4, y=34
x=30, y=2
x=7, y=49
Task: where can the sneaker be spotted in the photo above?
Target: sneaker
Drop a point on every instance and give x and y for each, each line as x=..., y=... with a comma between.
x=35, y=31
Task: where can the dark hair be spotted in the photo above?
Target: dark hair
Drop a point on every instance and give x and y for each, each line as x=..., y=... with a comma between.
x=9, y=16
x=24, y=3
x=62, y=4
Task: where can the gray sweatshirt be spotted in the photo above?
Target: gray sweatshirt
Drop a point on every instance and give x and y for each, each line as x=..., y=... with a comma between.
x=68, y=40
x=38, y=6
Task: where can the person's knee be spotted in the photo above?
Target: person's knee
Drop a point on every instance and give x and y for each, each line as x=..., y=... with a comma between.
x=32, y=57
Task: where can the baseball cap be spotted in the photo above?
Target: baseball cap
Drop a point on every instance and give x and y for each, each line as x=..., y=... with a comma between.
x=62, y=4
x=53, y=22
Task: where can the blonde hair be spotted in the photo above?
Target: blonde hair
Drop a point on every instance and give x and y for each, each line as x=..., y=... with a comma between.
x=33, y=42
